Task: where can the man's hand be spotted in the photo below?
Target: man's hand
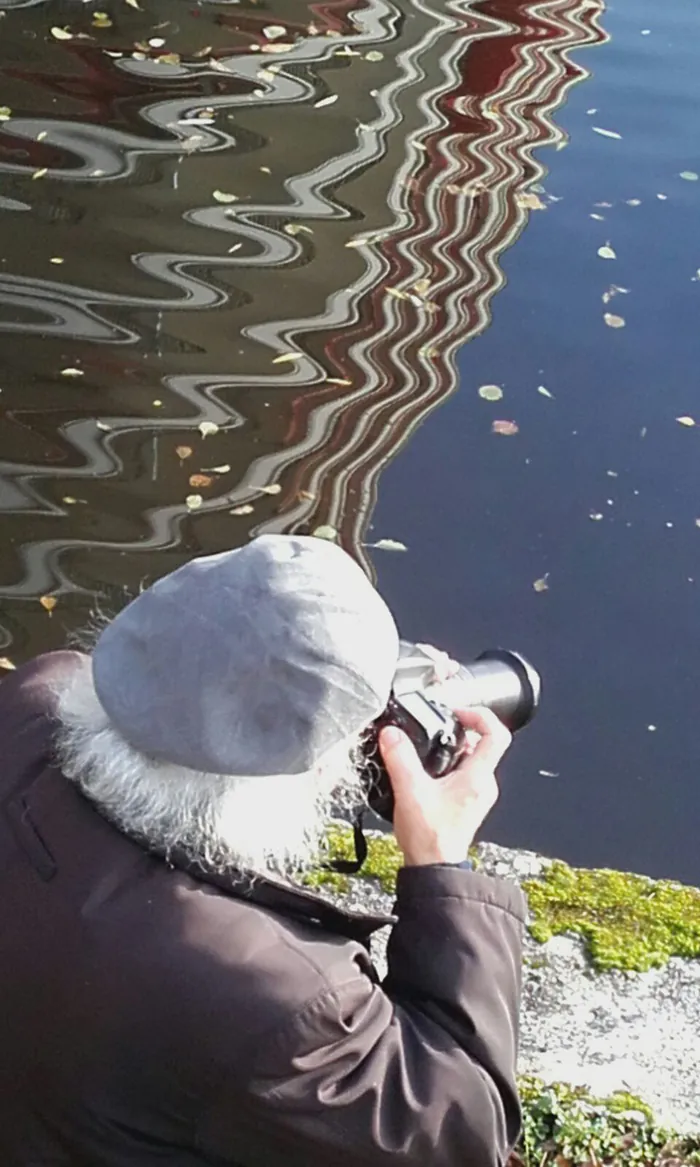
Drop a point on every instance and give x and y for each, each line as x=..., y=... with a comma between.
x=435, y=819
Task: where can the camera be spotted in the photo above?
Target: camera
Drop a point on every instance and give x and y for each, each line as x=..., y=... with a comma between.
x=422, y=701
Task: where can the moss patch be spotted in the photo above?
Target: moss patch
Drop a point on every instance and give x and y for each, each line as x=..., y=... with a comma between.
x=569, y=1127
x=629, y=922
x=383, y=861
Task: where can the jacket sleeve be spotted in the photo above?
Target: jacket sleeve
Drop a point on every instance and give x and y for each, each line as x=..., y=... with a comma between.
x=419, y=1071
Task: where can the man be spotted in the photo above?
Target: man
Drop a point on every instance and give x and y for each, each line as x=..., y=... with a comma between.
x=169, y=993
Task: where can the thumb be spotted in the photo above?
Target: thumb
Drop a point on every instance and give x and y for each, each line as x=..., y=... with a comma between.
x=403, y=765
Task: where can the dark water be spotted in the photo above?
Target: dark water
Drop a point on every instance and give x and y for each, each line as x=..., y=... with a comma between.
x=459, y=148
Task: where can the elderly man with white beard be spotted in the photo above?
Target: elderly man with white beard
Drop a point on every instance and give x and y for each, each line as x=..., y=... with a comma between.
x=171, y=992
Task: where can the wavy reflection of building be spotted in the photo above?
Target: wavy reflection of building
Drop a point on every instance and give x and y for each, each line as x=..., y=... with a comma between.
x=425, y=166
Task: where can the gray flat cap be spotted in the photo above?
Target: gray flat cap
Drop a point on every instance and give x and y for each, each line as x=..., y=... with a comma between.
x=252, y=662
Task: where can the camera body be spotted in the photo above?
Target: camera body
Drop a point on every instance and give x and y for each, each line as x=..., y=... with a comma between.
x=422, y=701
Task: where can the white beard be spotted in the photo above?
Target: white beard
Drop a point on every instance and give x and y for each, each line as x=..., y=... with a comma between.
x=271, y=825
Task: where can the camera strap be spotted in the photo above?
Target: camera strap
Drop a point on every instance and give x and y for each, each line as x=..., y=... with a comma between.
x=352, y=866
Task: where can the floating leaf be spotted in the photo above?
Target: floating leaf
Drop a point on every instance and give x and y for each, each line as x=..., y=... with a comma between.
x=530, y=201
x=6, y=663
x=222, y=196
x=193, y=502
x=634, y=202
x=542, y=585
x=506, y=428
x=337, y=381
x=397, y=294
x=225, y=469
x=101, y=20
x=273, y=32
x=183, y=452
x=596, y=516
x=296, y=229
x=206, y=428
x=326, y=101
x=606, y=133
x=245, y=509
x=284, y=358
x=158, y=404
x=389, y=545
x=599, y=218
x=613, y=321
x=169, y=59
x=57, y=259
x=690, y=175
x=156, y=42
x=325, y=532
x=48, y=603
x=374, y=55
x=421, y=287
x=61, y=34
x=606, y=252
x=686, y=421
x=102, y=425
x=548, y=773
x=72, y=372
x=5, y=115
x=200, y=481
x=134, y=4
x=305, y=496
x=69, y=500
x=43, y=170
x=544, y=391
x=277, y=47
x=491, y=392
x=273, y=488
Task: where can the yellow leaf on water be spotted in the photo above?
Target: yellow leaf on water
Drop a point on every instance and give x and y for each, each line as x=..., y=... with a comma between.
x=389, y=545
x=133, y=4
x=374, y=55
x=193, y=502
x=168, y=59
x=686, y=421
x=277, y=47
x=222, y=196
x=273, y=488
x=284, y=358
x=397, y=293
x=542, y=585
x=530, y=201
x=544, y=391
x=326, y=101
x=337, y=381
x=491, y=392
x=40, y=173
x=506, y=428
x=225, y=469
x=5, y=115
x=613, y=321
x=6, y=663
x=245, y=509
x=101, y=20
x=48, y=603
x=606, y=133
x=689, y=175
x=200, y=481
x=72, y=372
x=325, y=532
x=273, y=32
x=102, y=425
x=606, y=252
x=207, y=427
x=306, y=496
x=421, y=287
x=57, y=259
x=183, y=452
x=596, y=516
x=296, y=229
x=61, y=34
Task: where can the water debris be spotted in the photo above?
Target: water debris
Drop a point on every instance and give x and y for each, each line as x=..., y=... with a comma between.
x=193, y=502
x=309, y=496
x=156, y=42
x=48, y=603
x=102, y=425
x=491, y=392
x=634, y=202
x=596, y=516
x=599, y=218
x=607, y=252
x=689, y=175
x=158, y=404
x=614, y=290
x=5, y=115
x=398, y=294
x=134, y=4
x=338, y=381
x=688, y=421
x=206, y=428
x=325, y=532
x=244, y=509
x=200, y=481
x=70, y=372
x=542, y=585
x=544, y=391
x=374, y=55
x=273, y=32
x=61, y=34
x=662, y=197
x=614, y=321
x=530, y=201
x=266, y=74
x=388, y=545
x=168, y=59
x=297, y=229
x=101, y=20
x=57, y=259
x=548, y=773
x=606, y=133
x=285, y=358
x=506, y=428
x=273, y=488
x=223, y=469
x=326, y=101
x=422, y=287
x=6, y=663
x=222, y=196
x=183, y=452
x=43, y=170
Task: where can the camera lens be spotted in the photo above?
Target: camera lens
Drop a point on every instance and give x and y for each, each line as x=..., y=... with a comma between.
x=506, y=683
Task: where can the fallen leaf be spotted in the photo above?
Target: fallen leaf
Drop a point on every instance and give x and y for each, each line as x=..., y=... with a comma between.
x=72, y=372
x=266, y=74
x=606, y=133
x=542, y=585
x=5, y=115
x=61, y=34
x=284, y=358
x=397, y=293
x=221, y=196
x=193, y=502
x=102, y=425
x=245, y=509
x=134, y=4
x=156, y=42
x=596, y=516
x=606, y=252
x=613, y=321
x=41, y=172
x=69, y=500
x=530, y=201
x=374, y=55
x=296, y=229
x=158, y=404
x=225, y=469
x=273, y=488
x=689, y=175
x=273, y=32
x=422, y=287
x=207, y=427
x=548, y=773
x=545, y=392
x=337, y=381
x=277, y=47
x=183, y=452
x=56, y=259
x=308, y=496
x=325, y=532
x=506, y=428
x=101, y=20
x=491, y=392
x=634, y=202
x=686, y=421
x=326, y=101
x=599, y=218
x=6, y=663
x=389, y=545
x=168, y=59
x=697, y=522
x=200, y=481
x=48, y=603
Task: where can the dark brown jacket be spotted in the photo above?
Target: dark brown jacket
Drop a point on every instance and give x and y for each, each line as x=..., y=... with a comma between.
x=152, y=1016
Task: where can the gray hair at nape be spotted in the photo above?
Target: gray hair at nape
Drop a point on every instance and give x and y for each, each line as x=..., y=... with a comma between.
x=271, y=825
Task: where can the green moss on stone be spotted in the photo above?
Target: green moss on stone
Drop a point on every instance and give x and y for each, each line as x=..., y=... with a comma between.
x=567, y=1124
x=628, y=921
x=383, y=860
